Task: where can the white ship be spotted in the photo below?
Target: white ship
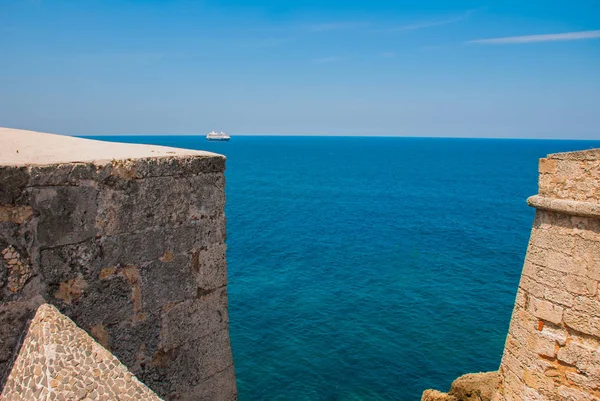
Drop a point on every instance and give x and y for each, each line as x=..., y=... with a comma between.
x=217, y=136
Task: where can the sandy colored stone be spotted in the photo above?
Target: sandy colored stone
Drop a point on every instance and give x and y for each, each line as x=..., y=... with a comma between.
x=552, y=349
x=546, y=310
x=434, y=395
x=475, y=386
x=557, y=358
x=469, y=387
x=21, y=147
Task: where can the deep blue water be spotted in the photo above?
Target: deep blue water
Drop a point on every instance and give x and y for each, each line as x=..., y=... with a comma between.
x=371, y=268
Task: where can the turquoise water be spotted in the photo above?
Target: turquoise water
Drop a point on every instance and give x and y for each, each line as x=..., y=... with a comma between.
x=371, y=268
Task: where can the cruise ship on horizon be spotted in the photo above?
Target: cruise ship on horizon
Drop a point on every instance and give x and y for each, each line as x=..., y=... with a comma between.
x=217, y=136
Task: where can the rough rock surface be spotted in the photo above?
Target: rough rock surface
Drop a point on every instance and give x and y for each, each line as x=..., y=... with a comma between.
x=59, y=361
x=469, y=387
x=129, y=242
x=434, y=395
x=475, y=386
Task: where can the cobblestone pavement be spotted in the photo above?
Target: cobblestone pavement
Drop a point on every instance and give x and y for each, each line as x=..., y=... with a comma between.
x=59, y=361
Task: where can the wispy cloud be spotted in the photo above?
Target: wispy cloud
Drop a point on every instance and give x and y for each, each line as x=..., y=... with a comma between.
x=327, y=60
x=552, y=37
x=429, y=24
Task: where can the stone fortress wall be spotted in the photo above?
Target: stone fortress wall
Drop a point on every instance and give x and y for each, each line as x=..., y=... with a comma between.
x=552, y=350
x=128, y=241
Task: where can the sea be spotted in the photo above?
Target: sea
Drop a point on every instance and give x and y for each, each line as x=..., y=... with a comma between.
x=371, y=268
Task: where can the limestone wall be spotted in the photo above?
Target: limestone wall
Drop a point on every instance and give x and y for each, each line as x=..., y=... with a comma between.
x=552, y=350
x=131, y=249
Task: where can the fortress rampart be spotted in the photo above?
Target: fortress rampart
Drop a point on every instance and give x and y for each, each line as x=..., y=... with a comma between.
x=129, y=242
x=552, y=350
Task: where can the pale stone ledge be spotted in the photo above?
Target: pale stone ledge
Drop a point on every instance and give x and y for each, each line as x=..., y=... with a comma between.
x=588, y=154
x=566, y=206
x=21, y=147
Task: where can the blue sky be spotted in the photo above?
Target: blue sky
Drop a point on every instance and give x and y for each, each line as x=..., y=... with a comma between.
x=411, y=68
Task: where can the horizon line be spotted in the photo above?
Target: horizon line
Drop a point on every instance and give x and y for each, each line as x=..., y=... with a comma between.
x=346, y=136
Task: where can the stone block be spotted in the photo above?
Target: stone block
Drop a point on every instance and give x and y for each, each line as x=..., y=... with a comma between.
x=537, y=384
x=549, y=239
x=558, y=296
x=546, y=184
x=587, y=305
x=178, y=167
x=529, y=269
x=217, y=388
x=532, y=287
x=514, y=364
x=194, y=319
x=584, y=353
x=210, y=231
x=66, y=262
x=105, y=302
x=521, y=300
x=210, y=267
x=134, y=248
x=13, y=180
x=522, y=324
x=513, y=385
x=196, y=361
x=542, y=345
x=548, y=166
x=588, y=253
x=539, y=256
x=146, y=203
x=135, y=341
x=550, y=278
x=581, y=285
x=49, y=175
x=67, y=215
x=167, y=281
x=555, y=334
x=582, y=322
x=546, y=310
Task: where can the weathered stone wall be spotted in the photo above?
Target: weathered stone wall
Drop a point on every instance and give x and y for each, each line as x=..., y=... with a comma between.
x=552, y=350
x=553, y=346
x=133, y=251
